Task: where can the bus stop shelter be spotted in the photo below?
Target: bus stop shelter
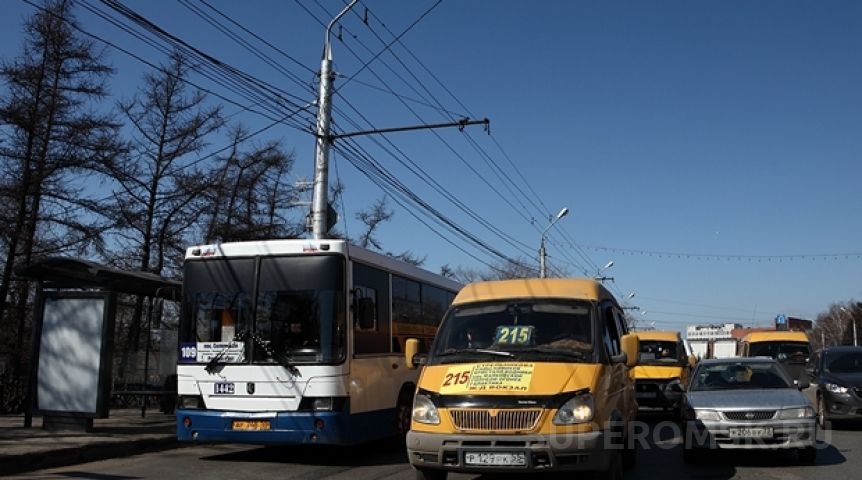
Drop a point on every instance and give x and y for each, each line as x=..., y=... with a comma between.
x=74, y=316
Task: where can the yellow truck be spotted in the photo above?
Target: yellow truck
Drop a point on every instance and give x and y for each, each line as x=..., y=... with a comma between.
x=526, y=375
x=663, y=365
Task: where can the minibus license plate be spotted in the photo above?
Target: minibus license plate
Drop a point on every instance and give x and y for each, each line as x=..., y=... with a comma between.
x=250, y=425
x=751, y=432
x=224, y=388
x=489, y=458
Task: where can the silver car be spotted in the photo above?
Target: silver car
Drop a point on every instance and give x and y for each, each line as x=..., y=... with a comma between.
x=747, y=403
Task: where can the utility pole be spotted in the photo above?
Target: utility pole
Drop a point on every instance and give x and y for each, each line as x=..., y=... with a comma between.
x=319, y=201
x=320, y=210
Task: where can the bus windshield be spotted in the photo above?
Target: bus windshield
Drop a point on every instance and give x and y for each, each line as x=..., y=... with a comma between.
x=786, y=352
x=535, y=330
x=291, y=311
x=658, y=352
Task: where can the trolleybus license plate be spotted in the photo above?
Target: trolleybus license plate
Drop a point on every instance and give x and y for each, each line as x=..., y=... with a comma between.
x=494, y=458
x=223, y=388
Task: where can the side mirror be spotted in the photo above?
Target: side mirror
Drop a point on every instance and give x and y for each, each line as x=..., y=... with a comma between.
x=630, y=348
x=412, y=358
x=674, y=390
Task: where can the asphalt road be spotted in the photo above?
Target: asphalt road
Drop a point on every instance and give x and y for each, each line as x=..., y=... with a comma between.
x=840, y=456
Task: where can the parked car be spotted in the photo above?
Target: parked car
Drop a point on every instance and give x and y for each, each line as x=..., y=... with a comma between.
x=835, y=374
x=747, y=403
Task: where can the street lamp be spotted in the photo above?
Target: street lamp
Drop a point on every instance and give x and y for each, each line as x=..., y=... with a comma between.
x=599, y=276
x=542, y=253
x=853, y=321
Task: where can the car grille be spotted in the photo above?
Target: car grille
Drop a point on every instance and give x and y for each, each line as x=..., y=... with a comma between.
x=750, y=416
x=510, y=420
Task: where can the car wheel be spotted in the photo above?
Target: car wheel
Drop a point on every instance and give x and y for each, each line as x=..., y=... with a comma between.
x=821, y=412
x=691, y=454
x=614, y=470
x=807, y=455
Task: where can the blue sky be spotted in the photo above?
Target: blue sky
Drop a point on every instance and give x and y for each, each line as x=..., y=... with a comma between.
x=709, y=149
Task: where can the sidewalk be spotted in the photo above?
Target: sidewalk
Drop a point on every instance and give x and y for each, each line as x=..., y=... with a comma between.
x=125, y=432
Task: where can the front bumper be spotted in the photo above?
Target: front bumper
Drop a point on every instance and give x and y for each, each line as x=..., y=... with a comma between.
x=653, y=394
x=842, y=406
x=570, y=452
x=718, y=435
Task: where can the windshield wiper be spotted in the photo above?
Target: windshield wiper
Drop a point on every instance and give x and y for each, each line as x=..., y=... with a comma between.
x=474, y=351
x=282, y=358
x=214, y=362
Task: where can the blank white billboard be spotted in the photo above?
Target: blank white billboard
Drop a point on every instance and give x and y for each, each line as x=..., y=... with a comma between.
x=70, y=353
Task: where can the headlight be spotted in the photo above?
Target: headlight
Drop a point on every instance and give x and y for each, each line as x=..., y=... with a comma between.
x=578, y=409
x=424, y=410
x=791, y=413
x=835, y=388
x=708, y=415
x=323, y=403
x=190, y=401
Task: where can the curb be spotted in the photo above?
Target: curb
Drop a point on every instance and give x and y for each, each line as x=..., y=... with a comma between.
x=28, y=462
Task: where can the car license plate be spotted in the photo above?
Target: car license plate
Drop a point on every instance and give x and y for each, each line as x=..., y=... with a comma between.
x=223, y=388
x=250, y=425
x=513, y=459
x=751, y=432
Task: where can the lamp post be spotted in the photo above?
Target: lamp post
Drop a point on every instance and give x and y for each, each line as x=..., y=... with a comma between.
x=599, y=271
x=542, y=253
x=853, y=322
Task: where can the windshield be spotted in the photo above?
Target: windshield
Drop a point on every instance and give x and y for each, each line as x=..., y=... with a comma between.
x=537, y=330
x=658, y=352
x=850, y=362
x=790, y=352
x=298, y=315
x=737, y=376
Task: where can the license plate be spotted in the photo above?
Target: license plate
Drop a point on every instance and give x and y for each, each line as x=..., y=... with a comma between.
x=514, y=459
x=753, y=432
x=645, y=395
x=250, y=425
x=223, y=388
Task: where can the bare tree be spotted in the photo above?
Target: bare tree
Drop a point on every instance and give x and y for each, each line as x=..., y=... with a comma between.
x=373, y=217
x=51, y=139
x=835, y=326
x=246, y=194
x=500, y=271
x=152, y=205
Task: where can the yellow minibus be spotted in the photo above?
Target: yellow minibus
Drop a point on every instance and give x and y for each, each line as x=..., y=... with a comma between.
x=525, y=375
x=662, y=363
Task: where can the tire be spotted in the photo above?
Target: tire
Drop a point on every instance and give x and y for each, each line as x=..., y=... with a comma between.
x=629, y=453
x=403, y=414
x=821, y=413
x=430, y=474
x=614, y=470
x=807, y=455
x=691, y=454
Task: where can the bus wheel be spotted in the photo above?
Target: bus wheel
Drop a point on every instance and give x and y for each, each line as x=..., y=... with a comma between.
x=403, y=413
